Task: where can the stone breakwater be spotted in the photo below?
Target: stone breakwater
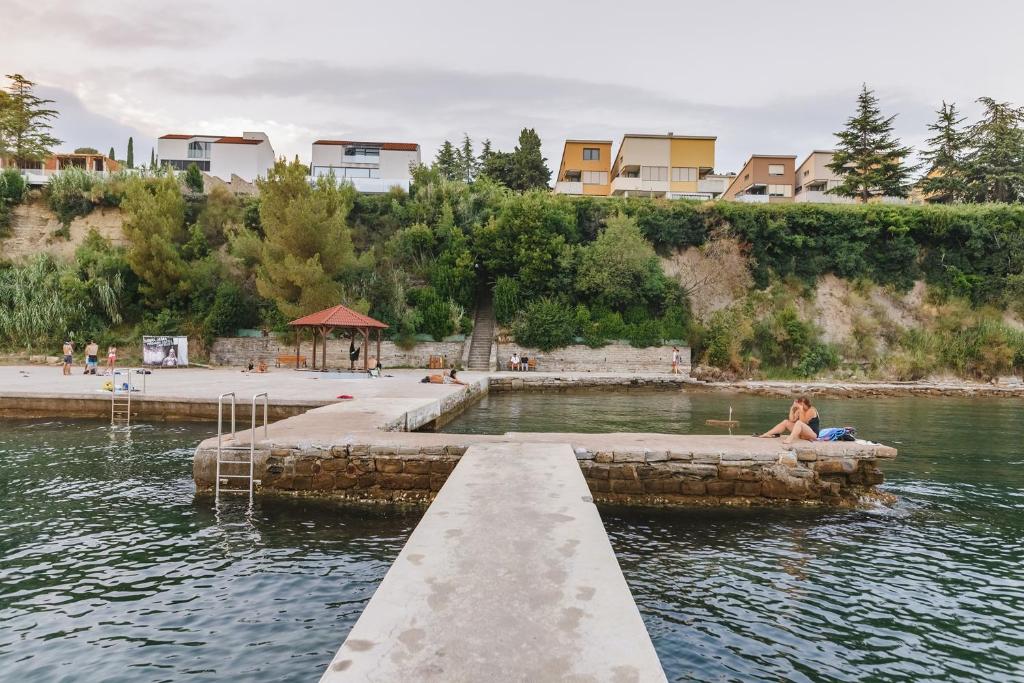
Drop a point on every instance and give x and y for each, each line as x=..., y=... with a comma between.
x=562, y=382
x=630, y=469
x=870, y=389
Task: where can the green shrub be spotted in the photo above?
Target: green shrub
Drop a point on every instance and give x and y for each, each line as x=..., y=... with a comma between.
x=506, y=299
x=12, y=187
x=436, y=314
x=545, y=324
x=231, y=310
x=647, y=333
x=816, y=358
x=69, y=194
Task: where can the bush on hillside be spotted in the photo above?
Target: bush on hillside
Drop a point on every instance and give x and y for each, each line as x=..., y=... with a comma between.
x=545, y=324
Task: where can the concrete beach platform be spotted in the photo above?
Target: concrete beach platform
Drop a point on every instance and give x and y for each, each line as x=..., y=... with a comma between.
x=508, y=576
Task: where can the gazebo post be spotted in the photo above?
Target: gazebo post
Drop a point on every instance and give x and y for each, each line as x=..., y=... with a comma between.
x=366, y=347
x=313, y=330
x=378, y=347
x=325, y=331
x=298, y=346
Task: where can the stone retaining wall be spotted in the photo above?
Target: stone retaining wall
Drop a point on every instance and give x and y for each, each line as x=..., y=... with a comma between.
x=239, y=350
x=610, y=358
x=143, y=408
x=529, y=381
x=414, y=473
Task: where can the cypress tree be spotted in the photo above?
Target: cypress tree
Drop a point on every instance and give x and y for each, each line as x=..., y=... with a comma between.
x=869, y=158
x=530, y=167
x=110, y=154
x=944, y=157
x=467, y=160
x=152, y=159
x=130, y=158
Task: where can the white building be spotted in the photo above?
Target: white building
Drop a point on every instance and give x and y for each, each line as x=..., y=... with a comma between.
x=248, y=157
x=369, y=166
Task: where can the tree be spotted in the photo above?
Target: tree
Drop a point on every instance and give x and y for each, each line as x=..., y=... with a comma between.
x=86, y=150
x=468, y=166
x=307, y=244
x=868, y=158
x=446, y=162
x=110, y=154
x=194, y=179
x=530, y=167
x=24, y=123
x=945, y=157
x=995, y=168
x=152, y=159
x=154, y=219
x=485, y=153
x=130, y=157
x=499, y=167
x=620, y=268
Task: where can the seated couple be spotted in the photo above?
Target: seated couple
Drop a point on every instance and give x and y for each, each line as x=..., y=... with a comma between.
x=517, y=362
x=803, y=422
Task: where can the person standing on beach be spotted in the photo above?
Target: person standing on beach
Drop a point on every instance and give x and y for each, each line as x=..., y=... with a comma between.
x=111, y=359
x=69, y=350
x=675, y=360
x=92, y=350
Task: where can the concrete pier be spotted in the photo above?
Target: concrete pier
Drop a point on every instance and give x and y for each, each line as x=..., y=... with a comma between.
x=509, y=576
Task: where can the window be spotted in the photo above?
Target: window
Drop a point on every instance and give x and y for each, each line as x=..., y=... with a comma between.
x=591, y=154
x=362, y=151
x=776, y=169
x=654, y=172
x=684, y=174
x=595, y=177
x=198, y=150
x=807, y=173
x=183, y=164
x=780, y=190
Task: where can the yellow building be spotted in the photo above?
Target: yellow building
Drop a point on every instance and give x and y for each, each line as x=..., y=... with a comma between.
x=584, y=168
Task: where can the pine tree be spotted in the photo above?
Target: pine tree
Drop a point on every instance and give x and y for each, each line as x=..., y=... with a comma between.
x=995, y=168
x=24, y=123
x=530, y=167
x=446, y=161
x=110, y=154
x=154, y=225
x=194, y=179
x=944, y=157
x=130, y=157
x=468, y=167
x=485, y=153
x=869, y=158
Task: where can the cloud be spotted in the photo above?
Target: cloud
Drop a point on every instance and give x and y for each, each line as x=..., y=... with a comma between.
x=77, y=126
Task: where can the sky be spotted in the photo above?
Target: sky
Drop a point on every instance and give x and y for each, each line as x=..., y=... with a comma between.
x=765, y=77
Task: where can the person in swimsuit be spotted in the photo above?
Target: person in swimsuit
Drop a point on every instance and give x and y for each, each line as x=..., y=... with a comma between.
x=92, y=350
x=803, y=422
x=111, y=359
x=69, y=349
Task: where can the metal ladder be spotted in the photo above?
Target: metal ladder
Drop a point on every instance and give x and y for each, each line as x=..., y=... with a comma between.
x=121, y=399
x=233, y=451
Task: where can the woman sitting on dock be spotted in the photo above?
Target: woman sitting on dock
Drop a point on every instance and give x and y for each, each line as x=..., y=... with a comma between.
x=802, y=423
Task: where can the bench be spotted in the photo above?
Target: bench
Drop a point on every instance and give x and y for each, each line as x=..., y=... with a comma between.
x=437, y=363
x=532, y=364
x=291, y=361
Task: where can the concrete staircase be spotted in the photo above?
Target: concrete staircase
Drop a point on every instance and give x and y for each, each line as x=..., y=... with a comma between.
x=483, y=335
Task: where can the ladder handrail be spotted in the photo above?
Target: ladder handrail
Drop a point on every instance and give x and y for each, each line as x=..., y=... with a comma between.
x=252, y=435
x=220, y=434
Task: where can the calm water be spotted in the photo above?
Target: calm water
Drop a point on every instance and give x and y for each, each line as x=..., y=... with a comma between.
x=930, y=590
x=112, y=570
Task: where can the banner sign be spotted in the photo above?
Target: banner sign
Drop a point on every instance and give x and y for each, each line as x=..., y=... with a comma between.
x=165, y=352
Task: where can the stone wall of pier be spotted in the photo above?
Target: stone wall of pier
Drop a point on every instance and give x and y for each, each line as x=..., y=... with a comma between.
x=239, y=351
x=396, y=472
x=610, y=358
x=529, y=381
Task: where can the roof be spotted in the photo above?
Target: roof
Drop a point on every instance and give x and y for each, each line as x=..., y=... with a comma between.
x=235, y=140
x=773, y=156
x=670, y=136
x=337, y=316
x=591, y=142
x=178, y=136
x=390, y=146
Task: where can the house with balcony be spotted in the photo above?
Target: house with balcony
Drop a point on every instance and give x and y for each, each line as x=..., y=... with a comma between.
x=813, y=180
x=249, y=156
x=765, y=178
x=39, y=172
x=669, y=166
x=585, y=168
x=371, y=167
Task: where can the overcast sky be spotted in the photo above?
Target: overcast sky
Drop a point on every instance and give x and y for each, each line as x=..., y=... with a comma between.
x=765, y=77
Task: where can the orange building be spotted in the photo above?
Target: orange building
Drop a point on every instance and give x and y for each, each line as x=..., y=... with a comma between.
x=585, y=168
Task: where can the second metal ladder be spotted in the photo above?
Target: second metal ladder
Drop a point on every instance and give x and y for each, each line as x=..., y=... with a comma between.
x=230, y=455
x=121, y=398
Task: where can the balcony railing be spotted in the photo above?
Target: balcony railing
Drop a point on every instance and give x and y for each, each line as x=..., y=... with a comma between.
x=372, y=185
x=568, y=187
x=820, y=197
x=713, y=185
x=753, y=198
x=623, y=184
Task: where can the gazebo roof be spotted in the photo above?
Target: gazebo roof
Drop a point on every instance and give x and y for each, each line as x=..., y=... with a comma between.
x=337, y=316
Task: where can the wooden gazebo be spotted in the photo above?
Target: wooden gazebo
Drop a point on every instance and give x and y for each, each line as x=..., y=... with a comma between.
x=327, y=320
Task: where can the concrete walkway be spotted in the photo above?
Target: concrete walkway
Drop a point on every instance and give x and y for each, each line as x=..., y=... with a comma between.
x=508, y=576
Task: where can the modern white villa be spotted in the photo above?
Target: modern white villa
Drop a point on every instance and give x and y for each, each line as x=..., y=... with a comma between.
x=249, y=156
x=369, y=166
